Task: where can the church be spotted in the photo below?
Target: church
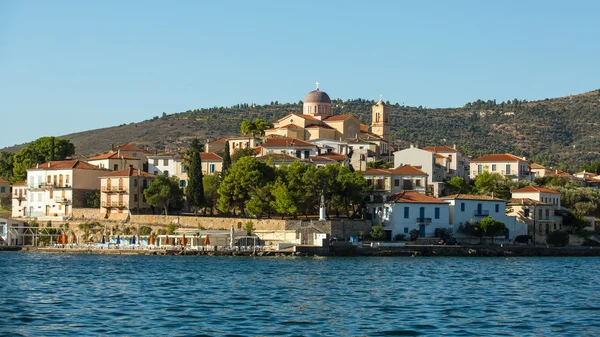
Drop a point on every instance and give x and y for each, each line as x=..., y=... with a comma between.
x=317, y=122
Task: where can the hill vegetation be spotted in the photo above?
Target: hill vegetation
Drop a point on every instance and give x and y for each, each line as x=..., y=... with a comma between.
x=561, y=132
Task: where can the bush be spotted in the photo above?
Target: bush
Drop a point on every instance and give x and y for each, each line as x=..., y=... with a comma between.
x=377, y=233
x=557, y=238
x=400, y=237
x=145, y=230
x=414, y=234
x=523, y=238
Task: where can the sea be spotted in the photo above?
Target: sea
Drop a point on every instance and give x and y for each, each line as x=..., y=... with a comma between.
x=45, y=294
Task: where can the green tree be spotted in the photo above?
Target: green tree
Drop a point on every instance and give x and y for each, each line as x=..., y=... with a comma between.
x=164, y=192
x=93, y=199
x=145, y=230
x=457, y=185
x=211, y=184
x=241, y=153
x=171, y=228
x=41, y=150
x=492, y=227
x=284, y=202
x=260, y=201
x=472, y=229
x=6, y=165
x=380, y=164
x=195, y=189
x=377, y=233
x=245, y=176
x=257, y=126
x=226, y=160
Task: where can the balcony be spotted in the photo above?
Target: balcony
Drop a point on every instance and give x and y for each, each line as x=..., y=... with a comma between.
x=114, y=189
x=113, y=204
x=48, y=186
x=63, y=201
x=423, y=221
x=19, y=197
x=481, y=212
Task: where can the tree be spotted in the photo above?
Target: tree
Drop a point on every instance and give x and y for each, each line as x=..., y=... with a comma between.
x=241, y=153
x=380, y=164
x=492, y=227
x=245, y=176
x=211, y=184
x=226, y=159
x=487, y=182
x=195, y=189
x=457, y=185
x=171, y=228
x=6, y=165
x=93, y=199
x=260, y=203
x=257, y=126
x=284, y=202
x=164, y=192
x=377, y=233
x=145, y=230
x=472, y=229
x=41, y=150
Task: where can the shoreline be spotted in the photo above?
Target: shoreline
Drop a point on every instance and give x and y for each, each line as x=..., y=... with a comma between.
x=346, y=251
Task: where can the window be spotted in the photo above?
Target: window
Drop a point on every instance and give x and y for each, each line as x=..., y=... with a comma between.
x=479, y=168
x=134, y=154
x=507, y=168
x=497, y=208
x=396, y=182
x=526, y=212
x=155, y=172
x=406, y=212
x=462, y=206
x=182, y=169
x=306, y=154
x=155, y=161
x=116, y=167
x=418, y=182
x=67, y=179
x=554, y=226
x=49, y=179
x=165, y=162
x=547, y=214
x=60, y=207
x=540, y=213
x=437, y=212
x=135, y=182
x=493, y=167
x=2, y=189
x=51, y=192
x=135, y=197
x=182, y=183
x=211, y=168
x=406, y=230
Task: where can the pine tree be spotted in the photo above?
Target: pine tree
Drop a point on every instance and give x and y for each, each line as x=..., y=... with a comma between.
x=226, y=159
x=195, y=189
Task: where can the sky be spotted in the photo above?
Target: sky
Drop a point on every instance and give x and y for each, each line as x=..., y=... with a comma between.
x=70, y=66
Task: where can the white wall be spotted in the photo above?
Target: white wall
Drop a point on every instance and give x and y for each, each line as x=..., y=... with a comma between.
x=416, y=157
x=394, y=219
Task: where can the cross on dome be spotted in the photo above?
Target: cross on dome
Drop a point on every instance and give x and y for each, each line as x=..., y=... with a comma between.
x=317, y=83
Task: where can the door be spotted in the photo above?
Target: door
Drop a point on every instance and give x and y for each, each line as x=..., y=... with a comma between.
x=60, y=180
x=479, y=209
x=66, y=210
x=47, y=210
x=422, y=231
x=422, y=213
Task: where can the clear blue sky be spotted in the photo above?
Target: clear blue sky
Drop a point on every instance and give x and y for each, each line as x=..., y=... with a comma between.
x=68, y=66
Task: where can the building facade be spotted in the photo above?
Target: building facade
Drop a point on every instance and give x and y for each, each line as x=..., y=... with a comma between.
x=123, y=191
x=508, y=165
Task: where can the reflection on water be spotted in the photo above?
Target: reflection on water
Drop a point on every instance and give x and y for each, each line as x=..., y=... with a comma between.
x=75, y=295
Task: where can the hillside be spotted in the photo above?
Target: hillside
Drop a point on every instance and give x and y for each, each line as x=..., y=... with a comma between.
x=554, y=132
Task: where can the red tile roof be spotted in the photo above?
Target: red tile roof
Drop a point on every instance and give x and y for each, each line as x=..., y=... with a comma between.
x=401, y=170
x=558, y=172
x=285, y=142
x=497, y=157
x=442, y=148
x=535, y=189
x=113, y=155
x=218, y=141
x=258, y=150
x=129, y=147
x=129, y=172
x=525, y=201
x=471, y=197
x=536, y=166
x=3, y=180
x=338, y=118
x=308, y=117
x=19, y=184
x=437, y=155
x=414, y=197
x=291, y=126
x=210, y=156
x=67, y=164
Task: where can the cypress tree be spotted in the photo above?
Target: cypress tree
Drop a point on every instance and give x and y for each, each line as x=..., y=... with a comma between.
x=195, y=189
x=226, y=159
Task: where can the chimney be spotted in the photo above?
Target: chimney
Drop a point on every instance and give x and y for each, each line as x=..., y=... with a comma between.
x=112, y=147
x=118, y=153
x=454, y=146
x=48, y=164
x=37, y=166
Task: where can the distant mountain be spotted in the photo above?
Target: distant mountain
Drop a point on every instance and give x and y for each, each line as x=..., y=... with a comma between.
x=560, y=132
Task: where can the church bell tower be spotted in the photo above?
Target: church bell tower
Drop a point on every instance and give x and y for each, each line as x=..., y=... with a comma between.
x=380, y=120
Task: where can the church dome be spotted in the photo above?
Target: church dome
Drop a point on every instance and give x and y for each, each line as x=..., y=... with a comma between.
x=317, y=96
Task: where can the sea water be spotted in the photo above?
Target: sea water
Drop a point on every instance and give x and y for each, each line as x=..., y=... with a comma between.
x=104, y=295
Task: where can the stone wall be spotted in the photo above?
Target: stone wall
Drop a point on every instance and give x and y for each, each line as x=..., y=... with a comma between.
x=87, y=214
x=349, y=228
x=207, y=222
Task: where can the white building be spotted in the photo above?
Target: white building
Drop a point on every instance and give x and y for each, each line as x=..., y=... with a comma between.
x=508, y=165
x=55, y=187
x=541, y=194
x=458, y=165
x=465, y=208
x=169, y=164
x=406, y=211
x=19, y=200
x=116, y=161
x=391, y=181
x=290, y=146
x=435, y=165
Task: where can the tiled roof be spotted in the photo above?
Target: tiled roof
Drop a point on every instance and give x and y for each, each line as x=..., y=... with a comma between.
x=536, y=166
x=401, y=170
x=558, y=172
x=129, y=172
x=257, y=150
x=218, y=141
x=470, y=197
x=113, y=155
x=208, y=156
x=19, y=184
x=442, y=148
x=414, y=197
x=525, y=201
x=291, y=126
x=586, y=173
x=129, y=147
x=497, y=157
x=284, y=142
x=338, y=118
x=330, y=156
x=535, y=189
x=308, y=117
x=3, y=180
x=437, y=155
x=67, y=164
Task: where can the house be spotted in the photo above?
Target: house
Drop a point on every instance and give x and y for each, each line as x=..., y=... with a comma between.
x=406, y=211
x=19, y=200
x=541, y=217
x=465, y=208
x=54, y=188
x=211, y=162
x=457, y=164
x=133, y=151
x=328, y=158
x=328, y=145
x=538, y=170
x=167, y=163
x=235, y=143
x=541, y=194
x=392, y=181
x=116, y=161
x=435, y=165
x=291, y=146
x=123, y=191
x=508, y=165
